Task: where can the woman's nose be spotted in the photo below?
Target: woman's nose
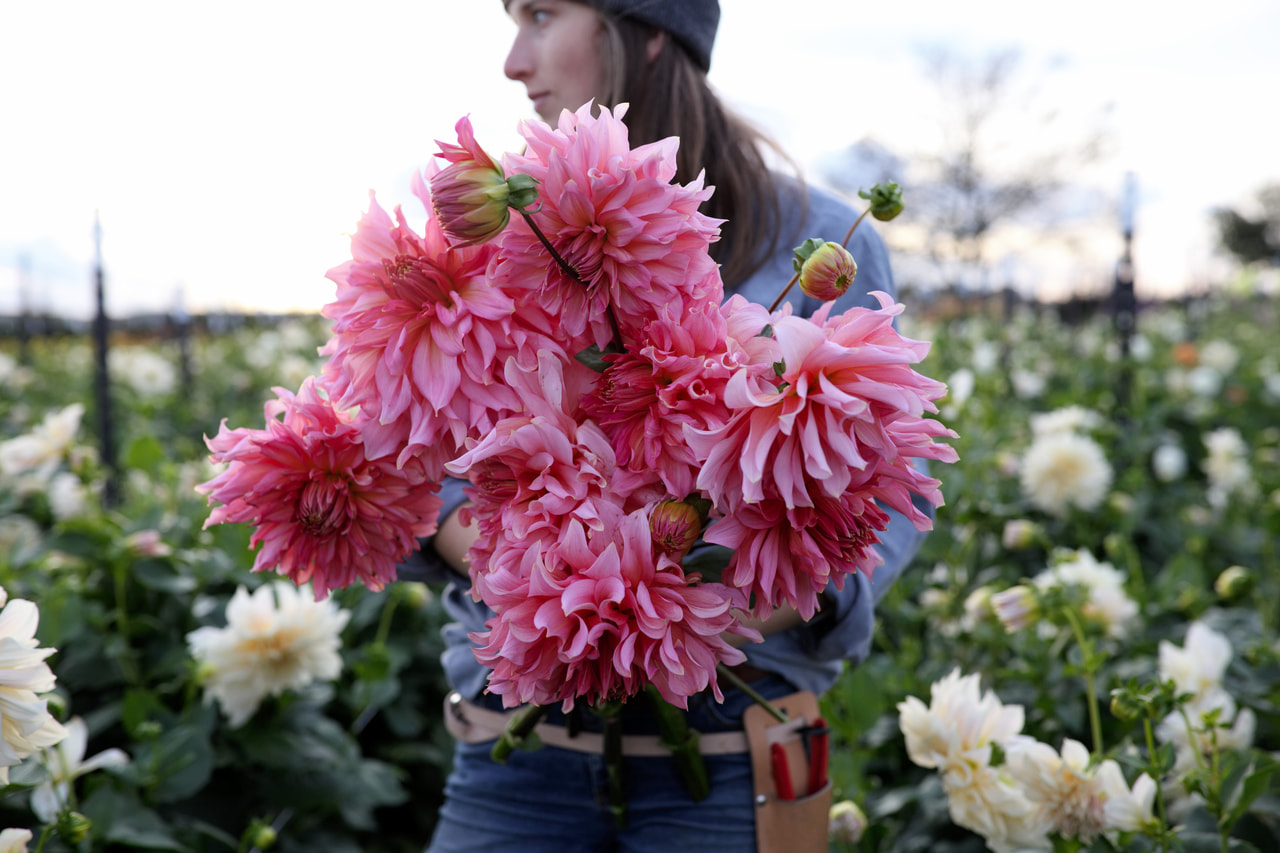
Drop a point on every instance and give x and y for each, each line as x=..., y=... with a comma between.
x=519, y=64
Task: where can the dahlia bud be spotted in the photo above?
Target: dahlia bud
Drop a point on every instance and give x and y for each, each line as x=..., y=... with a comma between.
x=1234, y=583
x=73, y=827
x=147, y=543
x=471, y=196
x=1016, y=607
x=1019, y=534
x=826, y=269
x=886, y=201
x=1126, y=705
x=847, y=822
x=675, y=526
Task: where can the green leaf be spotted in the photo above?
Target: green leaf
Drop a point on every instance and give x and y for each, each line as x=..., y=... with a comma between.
x=1254, y=785
x=144, y=453
x=159, y=574
x=120, y=818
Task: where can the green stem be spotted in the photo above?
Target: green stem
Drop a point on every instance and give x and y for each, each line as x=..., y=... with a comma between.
x=854, y=227
x=384, y=621
x=1091, y=692
x=732, y=677
x=783, y=294
x=44, y=836
x=568, y=269
x=518, y=733
x=1151, y=752
x=613, y=765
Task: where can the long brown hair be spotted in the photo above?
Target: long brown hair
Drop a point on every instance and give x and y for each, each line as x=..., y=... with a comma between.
x=671, y=96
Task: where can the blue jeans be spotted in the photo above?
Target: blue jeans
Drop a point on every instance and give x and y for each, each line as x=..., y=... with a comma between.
x=556, y=801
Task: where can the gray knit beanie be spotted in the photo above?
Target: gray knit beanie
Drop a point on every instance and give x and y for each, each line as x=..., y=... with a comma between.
x=691, y=22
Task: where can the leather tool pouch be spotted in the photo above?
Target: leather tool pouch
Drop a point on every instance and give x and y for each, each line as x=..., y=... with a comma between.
x=783, y=825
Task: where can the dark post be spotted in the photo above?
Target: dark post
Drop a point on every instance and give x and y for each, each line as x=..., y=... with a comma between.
x=102, y=377
x=182, y=331
x=1124, y=301
x=24, y=310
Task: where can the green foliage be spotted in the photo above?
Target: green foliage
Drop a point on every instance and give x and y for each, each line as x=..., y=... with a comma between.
x=356, y=765
x=359, y=764
x=1195, y=369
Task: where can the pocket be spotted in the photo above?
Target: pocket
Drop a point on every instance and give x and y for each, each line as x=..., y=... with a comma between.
x=786, y=824
x=794, y=826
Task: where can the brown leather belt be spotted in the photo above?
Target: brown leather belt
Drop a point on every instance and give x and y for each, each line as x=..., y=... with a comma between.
x=470, y=723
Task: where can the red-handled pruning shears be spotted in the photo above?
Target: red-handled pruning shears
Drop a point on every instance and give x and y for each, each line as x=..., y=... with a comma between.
x=819, y=737
x=781, y=772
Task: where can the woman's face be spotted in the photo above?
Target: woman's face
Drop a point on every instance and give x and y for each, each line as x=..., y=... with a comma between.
x=556, y=54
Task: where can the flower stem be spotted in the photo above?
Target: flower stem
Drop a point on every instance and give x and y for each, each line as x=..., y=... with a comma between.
x=546, y=244
x=613, y=764
x=1091, y=692
x=854, y=227
x=732, y=677
x=1151, y=752
x=568, y=269
x=519, y=733
x=785, y=290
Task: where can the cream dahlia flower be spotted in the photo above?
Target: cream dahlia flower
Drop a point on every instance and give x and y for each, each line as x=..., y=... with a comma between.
x=65, y=763
x=38, y=453
x=1064, y=469
x=277, y=639
x=1067, y=795
x=14, y=840
x=25, y=723
x=1107, y=603
x=1226, y=464
x=1198, y=666
x=144, y=370
x=954, y=734
x=1072, y=419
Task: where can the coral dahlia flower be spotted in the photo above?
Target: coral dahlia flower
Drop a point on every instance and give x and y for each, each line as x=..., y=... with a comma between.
x=795, y=474
x=420, y=338
x=602, y=615
x=322, y=511
x=612, y=213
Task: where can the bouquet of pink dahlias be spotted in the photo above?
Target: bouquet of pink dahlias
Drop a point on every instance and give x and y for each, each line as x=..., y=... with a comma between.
x=579, y=365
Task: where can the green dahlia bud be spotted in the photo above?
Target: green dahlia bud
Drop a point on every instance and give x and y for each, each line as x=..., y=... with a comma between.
x=1234, y=583
x=886, y=201
x=73, y=827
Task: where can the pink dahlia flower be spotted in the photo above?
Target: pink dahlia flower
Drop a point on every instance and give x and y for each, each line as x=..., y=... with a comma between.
x=812, y=446
x=613, y=214
x=322, y=511
x=650, y=393
x=534, y=472
x=420, y=338
x=600, y=615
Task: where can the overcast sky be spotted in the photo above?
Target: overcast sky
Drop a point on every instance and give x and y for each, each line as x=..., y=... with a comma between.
x=229, y=148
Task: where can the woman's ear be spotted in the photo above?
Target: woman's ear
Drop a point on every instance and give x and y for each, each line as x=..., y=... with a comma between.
x=654, y=45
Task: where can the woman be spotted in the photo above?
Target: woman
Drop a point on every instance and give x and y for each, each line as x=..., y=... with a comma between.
x=654, y=55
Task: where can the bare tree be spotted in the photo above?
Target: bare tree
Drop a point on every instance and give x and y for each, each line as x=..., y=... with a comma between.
x=1005, y=152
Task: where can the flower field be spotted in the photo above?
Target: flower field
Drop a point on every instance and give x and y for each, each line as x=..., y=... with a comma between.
x=1083, y=656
